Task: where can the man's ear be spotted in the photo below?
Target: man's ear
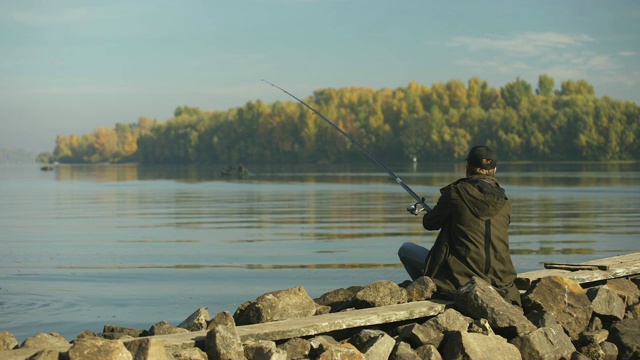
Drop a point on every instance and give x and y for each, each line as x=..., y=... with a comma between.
x=495, y=170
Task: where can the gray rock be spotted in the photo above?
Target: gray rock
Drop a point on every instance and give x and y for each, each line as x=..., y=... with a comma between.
x=361, y=338
x=338, y=299
x=481, y=326
x=148, y=349
x=428, y=352
x=164, y=328
x=473, y=346
x=133, y=332
x=7, y=341
x=53, y=341
x=403, y=351
x=417, y=335
x=296, y=348
x=610, y=350
x=478, y=300
x=193, y=353
x=47, y=355
x=378, y=348
x=422, y=288
x=606, y=302
x=278, y=305
x=328, y=351
x=197, y=321
x=264, y=350
x=562, y=297
x=542, y=318
x=626, y=289
x=222, y=341
x=449, y=320
x=97, y=348
x=625, y=334
x=379, y=293
x=545, y=343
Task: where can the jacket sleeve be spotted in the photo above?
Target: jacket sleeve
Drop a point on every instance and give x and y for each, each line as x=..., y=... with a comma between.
x=441, y=213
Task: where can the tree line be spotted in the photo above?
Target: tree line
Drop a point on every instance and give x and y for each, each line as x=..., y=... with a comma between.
x=438, y=122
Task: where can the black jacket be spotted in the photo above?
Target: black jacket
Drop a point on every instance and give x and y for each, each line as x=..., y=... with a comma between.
x=473, y=214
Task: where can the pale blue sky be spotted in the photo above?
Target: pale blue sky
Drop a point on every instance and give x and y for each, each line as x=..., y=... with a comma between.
x=68, y=67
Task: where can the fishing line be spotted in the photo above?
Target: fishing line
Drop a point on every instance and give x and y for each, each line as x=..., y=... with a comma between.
x=414, y=209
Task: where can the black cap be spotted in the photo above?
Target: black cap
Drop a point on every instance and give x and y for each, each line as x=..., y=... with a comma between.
x=482, y=157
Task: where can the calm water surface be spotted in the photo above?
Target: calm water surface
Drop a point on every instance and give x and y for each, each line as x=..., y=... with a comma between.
x=85, y=246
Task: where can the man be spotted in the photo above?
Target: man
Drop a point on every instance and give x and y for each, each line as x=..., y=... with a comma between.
x=473, y=215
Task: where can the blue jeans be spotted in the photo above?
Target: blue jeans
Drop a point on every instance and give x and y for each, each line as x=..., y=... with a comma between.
x=413, y=257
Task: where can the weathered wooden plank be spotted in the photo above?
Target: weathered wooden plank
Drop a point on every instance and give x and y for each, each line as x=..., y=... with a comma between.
x=618, y=267
x=319, y=324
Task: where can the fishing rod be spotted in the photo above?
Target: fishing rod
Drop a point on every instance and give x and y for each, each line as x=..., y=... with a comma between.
x=414, y=209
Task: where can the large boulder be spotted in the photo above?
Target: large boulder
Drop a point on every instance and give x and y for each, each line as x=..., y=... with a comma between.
x=197, y=321
x=626, y=289
x=625, y=334
x=474, y=346
x=420, y=289
x=148, y=349
x=97, y=348
x=477, y=299
x=545, y=343
x=606, y=303
x=274, y=306
x=222, y=341
x=7, y=341
x=562, y=297
x=53, y=341
x=379, y=293
x=338, y=299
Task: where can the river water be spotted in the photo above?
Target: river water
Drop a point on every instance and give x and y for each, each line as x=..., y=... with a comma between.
x=85, y=246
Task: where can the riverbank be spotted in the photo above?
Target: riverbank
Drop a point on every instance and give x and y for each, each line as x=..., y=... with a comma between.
x=385, y=320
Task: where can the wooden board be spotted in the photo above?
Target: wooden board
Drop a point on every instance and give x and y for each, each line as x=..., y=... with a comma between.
x=319, y=324
x=589, y=271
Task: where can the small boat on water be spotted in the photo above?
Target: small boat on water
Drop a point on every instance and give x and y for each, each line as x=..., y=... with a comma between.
x=46, y=167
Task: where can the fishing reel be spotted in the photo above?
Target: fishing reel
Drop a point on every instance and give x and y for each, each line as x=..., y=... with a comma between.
x=417, y=208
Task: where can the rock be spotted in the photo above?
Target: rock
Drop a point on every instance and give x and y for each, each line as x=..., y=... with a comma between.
x=481, y=326
x=338, y=299
x=328, y=351
x=592, y=337
x=264, y=350
x=606, y=303
x=278, y=305
x=625, y=334
x=449, y=320
x=197, y=321
x=478, y=300
x=379, y=293
x=417, y=335
x=562, y=297
x=322, y=309
x=46, y=355
x=634, y=311
x=7, y=341
x=189, y=354
x=428, y=352
x=362, y=337
x=53, y=341
x=148, y=349
x=626, y=289
x=610, y=350
x=86, y=334
x=545, y=343
x=378, y=348
x=591, y=351
x=164, y=328
x=403, y=351
x=296, y=348
x=422, y=288
x=124, y=330
x=222, y=341
x=473, y=346
x=97, y=348
x=542, y=318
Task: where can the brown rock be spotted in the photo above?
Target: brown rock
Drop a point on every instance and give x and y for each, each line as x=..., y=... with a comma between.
x=338, y=299
x=562, y=297
x=626, y=289
x=296, y=348
x=379, y=293
x=278, y=305
x=474, y=346
x=545, y=343
x=46, y=355
x=422, y=288
x=606, y=302
x=7, y=341
x=625, y=334
x=97, y=348
x=53, y=341
x=222, y=341
x=197, y=321
x=148, y=349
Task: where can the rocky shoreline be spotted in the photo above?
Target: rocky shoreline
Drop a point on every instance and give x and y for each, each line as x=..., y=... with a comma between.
x=558, y=320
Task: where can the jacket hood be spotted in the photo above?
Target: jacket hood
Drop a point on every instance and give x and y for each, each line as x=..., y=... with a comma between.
x=482, y=195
